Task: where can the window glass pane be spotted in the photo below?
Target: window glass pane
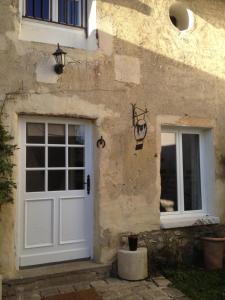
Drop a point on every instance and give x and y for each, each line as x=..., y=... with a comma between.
x=36, y=133
x=56, y=180
x=69, y=12
x=38, y=9
x=35, y=157
x=35, y=181
x=76, y=157
x=56, y=156
x=191, y=172
x=168, y=171
x=77, y=13
x=56, y=134
x=76, y=134
x=76, y=179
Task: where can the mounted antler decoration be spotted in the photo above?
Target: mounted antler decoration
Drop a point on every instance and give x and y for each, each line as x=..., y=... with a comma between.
x=140, y=125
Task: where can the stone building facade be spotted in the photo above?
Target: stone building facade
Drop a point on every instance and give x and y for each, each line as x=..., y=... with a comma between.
x=164, y=56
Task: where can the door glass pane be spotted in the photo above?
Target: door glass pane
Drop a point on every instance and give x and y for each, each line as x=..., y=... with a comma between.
x=76, y=134
x=35, y=133
x=56, y=157
x=35, y=157
x=76, y=157
x=191, y=172
x=168, y=171
x=35, y=181
x=76, y=179
x=56, y=133
x=56, y=180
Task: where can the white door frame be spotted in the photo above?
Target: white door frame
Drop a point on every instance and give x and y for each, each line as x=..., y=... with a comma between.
x=21, y=175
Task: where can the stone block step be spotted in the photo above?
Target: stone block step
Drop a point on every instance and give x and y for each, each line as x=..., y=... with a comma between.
x=55, y=275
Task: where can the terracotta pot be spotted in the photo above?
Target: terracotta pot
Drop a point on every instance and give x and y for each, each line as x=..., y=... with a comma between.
x=213, y=252
x=133, y=242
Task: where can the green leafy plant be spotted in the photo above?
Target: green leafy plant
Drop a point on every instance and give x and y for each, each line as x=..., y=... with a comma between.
x=6, y=166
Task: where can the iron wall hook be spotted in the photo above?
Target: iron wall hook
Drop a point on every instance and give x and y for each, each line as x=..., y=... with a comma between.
x=101, y=143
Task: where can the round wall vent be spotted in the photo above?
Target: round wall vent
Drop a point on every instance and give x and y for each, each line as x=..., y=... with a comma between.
x=181, y=17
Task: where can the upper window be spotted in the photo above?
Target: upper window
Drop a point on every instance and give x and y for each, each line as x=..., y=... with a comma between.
x=71, y=23
x=66, y=12
x=181, y=172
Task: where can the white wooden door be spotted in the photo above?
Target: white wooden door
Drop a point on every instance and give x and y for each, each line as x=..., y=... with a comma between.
x=55, y=204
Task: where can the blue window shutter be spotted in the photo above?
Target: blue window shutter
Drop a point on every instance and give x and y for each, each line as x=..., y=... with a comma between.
x=46, y=10
x=61, y=12
x=38, y=9
x=30, y=8
x=68, y=11
x=77, y=16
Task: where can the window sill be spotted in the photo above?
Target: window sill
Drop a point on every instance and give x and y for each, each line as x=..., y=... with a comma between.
x=183, y=220
x=51, y=33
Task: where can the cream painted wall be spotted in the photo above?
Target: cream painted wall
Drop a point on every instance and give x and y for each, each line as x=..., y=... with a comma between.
x=142, y=58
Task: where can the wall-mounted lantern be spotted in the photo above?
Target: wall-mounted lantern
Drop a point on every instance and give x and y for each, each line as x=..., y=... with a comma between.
x=60, y=58
x=140, y=125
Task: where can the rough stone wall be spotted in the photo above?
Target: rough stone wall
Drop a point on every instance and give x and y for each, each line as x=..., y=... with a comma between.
x=174, y=247
x=141, y=59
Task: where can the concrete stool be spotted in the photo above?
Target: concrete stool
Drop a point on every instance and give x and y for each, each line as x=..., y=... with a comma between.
x=133, y=265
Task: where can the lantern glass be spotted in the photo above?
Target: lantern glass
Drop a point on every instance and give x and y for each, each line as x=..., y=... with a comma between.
x=59, y=55
x=63, y=59
x=58, y=59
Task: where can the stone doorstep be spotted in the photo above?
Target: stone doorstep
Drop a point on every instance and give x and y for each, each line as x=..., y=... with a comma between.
x=55, y=275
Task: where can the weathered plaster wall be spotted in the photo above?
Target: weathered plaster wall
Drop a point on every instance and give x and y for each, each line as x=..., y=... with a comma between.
x=141, y=59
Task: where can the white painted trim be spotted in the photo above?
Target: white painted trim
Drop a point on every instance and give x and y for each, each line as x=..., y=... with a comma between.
x=25, y=258
x=207, y=184
x=26, y=246
x=186, y=220
x=61, y=242
x=50, y=33
x=55, y=11
x=43, y=258
x=90, y=197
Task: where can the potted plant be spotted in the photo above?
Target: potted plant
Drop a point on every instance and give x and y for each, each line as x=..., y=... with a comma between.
x=213, y=247
x=133, y=242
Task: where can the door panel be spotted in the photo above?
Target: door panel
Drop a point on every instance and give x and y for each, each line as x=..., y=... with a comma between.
x=55, y=210
x=72, y=223
x=39, y=230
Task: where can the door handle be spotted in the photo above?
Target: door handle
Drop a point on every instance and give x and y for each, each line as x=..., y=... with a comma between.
x=88, y=183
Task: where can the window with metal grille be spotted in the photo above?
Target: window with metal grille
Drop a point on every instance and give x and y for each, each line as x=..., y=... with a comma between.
x=66, y=12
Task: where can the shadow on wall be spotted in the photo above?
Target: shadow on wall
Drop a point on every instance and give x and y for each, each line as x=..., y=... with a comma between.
x=134, y=4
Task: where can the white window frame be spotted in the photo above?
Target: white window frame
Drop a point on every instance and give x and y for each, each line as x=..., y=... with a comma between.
x=54, y=10
x=181, y=217
x=55, y=13
x=35, y=30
